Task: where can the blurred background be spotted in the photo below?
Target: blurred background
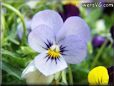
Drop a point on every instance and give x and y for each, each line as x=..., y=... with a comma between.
x=16, y=18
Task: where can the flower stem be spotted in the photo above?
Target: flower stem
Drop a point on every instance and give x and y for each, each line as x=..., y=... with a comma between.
x=70, y=75
x=64, y=77
x=22, y=20
x=98, y=54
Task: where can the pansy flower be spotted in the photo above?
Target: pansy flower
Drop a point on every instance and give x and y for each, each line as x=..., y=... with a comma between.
x=98, y=76
x=98, y=41
x=58, y=43
x=101, y=76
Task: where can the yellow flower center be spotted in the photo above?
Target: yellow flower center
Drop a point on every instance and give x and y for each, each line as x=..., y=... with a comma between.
x=54, y=51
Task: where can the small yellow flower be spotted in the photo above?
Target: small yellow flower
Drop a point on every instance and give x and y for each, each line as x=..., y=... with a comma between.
x=98, y=76
x=73, y=2
x=76, y=2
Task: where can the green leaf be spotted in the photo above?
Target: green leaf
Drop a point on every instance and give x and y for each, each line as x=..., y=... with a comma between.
x=6, y=52
x=90, y=48
x=27, y=50
x=14, y=57
x=13, y=40
x=109, y=20
x=93, y=16
x=21, y=17
x=10, y=70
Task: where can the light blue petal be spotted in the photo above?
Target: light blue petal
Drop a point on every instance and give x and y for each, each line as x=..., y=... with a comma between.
x=39, y=36
x=74, y=26
x=47, y=17
x=75, y=49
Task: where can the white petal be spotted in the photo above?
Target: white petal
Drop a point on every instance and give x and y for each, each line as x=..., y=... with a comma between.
x=38, y=78
x=28, y=69
x=39, y=36
x=75, y=49
x=74, y=26
x=49, y=67
x=33, y=76
x=47, y=17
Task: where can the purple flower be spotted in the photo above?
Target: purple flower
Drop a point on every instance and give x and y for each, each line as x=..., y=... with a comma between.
x=69, y=10
x=98, y=41
x=112, y=32
x=57, y=43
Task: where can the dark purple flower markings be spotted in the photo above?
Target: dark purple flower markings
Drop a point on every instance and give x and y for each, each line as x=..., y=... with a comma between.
x=69, y=10
x=48, y=46
x=111, y=75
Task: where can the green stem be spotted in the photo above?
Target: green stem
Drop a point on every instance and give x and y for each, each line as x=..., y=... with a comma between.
x=98, y=54
x=70, y=75
x=64, y=77
x=22, y=20
x=3, y=23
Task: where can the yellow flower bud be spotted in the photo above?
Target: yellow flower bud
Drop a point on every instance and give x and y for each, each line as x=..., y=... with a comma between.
x=98, y=76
